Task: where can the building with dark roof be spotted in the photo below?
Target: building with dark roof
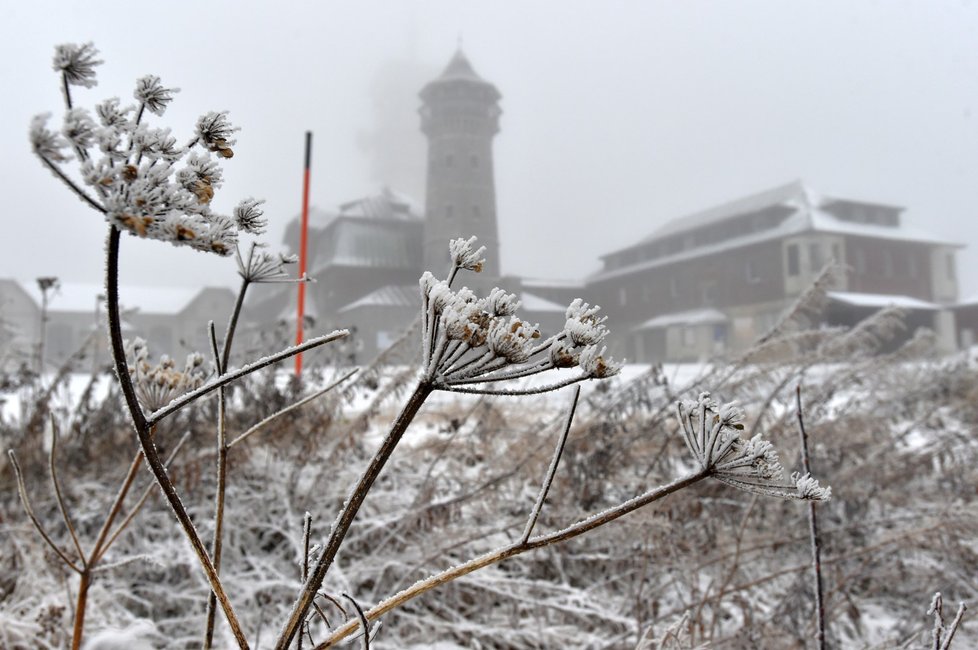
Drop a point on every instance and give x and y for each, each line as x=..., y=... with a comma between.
x=714, y=281
x=703, y=284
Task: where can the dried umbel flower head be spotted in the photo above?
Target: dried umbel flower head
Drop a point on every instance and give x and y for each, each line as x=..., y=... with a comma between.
x=152, y=95
x=464, y=256
x=259, y=266
x=133, y=172
x=469, y=342
x=77, y=63
x=249, y=216
x=158, y=385
x=712, y=435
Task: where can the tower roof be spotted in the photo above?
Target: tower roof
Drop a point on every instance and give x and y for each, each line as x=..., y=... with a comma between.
x=460, y=71
x=460, y=68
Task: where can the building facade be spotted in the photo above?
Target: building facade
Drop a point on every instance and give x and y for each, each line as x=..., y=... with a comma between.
x=703, y=284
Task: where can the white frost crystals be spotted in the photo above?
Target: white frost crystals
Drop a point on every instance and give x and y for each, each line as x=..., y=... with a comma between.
x=469, y=342
x=158, y=385
x=711, y=433
x=133, y=172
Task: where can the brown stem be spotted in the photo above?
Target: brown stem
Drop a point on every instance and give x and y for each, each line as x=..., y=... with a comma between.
x=349, y=512
x=217, y=545
x=504, y=553
x=144, y=430
x=81, y=604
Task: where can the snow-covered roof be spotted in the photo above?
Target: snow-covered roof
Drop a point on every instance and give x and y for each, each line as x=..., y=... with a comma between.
x=550, y=283
x=968, y=302
x=387, y=204
x=806, y=215
x=81, y=297
x=389, y=296
x=706, y=316
x=880, y=300
x=533, y=302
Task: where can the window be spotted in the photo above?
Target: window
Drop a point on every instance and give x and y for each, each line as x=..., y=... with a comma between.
x=449, y=160
x=950, y=265
x=753, y=277
x=476, y=212
x=912, y=270
x=815, y=261
x=837, y=253
x=673, y=287
x=793, y=265
x=860, y=260
x=473, y=161
x=646, y=294
x=689, y=337
x=622, y=296
x=449, y=211
x=888, y=263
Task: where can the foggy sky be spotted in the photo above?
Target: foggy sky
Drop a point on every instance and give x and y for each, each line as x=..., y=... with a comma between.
x=617, y=116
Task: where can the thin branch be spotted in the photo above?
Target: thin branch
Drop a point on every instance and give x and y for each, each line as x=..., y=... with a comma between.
x=52, y=466
x=145, y=431
x=364, y=623
x=953, y=627
x=306, y=533
x=225, y=379
x=516, y=392
x=22, y=490
x=345, y=519
x=552, y=470
x=504, y=553
x=72, y=185
x=222, y=473
x=291, y=407
x=813, y=528
x=143, y=497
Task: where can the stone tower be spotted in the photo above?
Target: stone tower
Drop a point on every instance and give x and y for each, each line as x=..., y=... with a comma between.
x=460, y=117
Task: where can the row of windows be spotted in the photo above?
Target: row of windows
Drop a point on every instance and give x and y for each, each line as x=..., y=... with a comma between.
x=476, y=211
x=450, y=161
x=816, y=257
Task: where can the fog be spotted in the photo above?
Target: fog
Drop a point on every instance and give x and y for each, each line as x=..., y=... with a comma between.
x=617, y=116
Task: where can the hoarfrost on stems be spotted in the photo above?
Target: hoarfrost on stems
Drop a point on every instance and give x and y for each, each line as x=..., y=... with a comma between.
x=463, y=255
x=260, y=266
x=711, y=433
x=46, y=143
x=79, y=128
x=471, y=340
x=77, y=63
x=214, y=133
x=250, y=217
x=151, y=93
x=158, y=385
x=132, y=168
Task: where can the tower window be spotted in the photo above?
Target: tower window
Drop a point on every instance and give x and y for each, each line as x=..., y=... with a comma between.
x=474, y=161
x=449, y=211
x=476, y=212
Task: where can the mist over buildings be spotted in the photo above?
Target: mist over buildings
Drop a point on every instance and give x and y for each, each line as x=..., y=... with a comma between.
x=616, y=118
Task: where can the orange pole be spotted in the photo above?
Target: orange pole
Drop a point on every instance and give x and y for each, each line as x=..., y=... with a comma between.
x=303, y=245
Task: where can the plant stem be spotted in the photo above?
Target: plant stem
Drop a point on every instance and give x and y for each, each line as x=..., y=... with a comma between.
x=217, y=543
x=81, y=604
x=144, y=430
x=349, y=512
x=813, y=528
x=512, y=550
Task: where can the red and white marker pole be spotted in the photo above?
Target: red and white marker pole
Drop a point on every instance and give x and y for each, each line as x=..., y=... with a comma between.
x=303, y=244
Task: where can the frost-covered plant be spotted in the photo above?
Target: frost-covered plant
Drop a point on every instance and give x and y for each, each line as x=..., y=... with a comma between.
x=144, y=183
x=712, y=435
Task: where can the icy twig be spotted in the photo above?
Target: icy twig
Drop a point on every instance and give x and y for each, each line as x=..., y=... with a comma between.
x=53, y=468
x=552, y=470
x=816, y=540
x=291, y=407
x=180, y=402
x=25, y=501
